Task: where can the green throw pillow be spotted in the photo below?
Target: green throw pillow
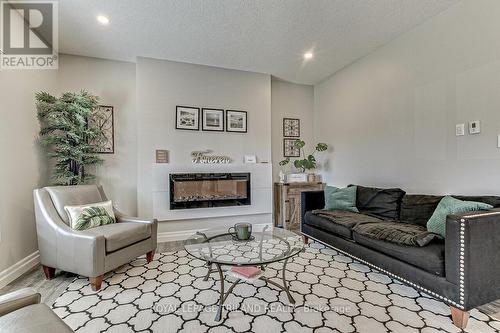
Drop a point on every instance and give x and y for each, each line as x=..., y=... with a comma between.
x=341, y=198
x=449, y=205
x=93, y=217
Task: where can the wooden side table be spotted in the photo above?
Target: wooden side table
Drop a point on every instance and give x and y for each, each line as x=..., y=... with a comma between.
x=287, y=203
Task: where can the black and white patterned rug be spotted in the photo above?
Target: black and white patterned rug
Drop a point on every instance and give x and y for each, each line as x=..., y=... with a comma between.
x=334, y=293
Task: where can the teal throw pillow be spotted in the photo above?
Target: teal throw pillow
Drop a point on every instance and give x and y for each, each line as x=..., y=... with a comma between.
x=449, y=205
x=341, y=198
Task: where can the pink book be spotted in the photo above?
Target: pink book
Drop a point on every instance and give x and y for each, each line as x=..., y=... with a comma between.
x=246, y=271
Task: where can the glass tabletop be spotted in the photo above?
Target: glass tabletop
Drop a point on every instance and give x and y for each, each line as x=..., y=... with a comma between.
x=266, y=245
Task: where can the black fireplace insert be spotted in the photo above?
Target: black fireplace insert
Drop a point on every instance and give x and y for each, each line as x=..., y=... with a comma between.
x=205, y=190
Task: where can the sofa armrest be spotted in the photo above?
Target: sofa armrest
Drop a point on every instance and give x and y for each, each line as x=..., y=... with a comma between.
x=18, y=299
x=311, y=200
x=472, y=260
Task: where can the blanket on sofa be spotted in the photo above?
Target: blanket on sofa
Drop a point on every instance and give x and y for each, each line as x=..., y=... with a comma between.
x=345, y=218
x=372, y=227
x=396, y=232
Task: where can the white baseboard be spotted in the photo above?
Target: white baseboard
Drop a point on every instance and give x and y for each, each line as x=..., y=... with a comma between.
x=24, y=265
x=172, y=236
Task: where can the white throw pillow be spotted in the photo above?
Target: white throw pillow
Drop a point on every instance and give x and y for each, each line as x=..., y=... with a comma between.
x=87, y=216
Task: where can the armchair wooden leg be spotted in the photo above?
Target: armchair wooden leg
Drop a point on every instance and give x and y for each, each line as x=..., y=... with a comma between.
x=305, y=239
x=459, y=317
x=150, y=255
x=49, y=272
x=96, y=282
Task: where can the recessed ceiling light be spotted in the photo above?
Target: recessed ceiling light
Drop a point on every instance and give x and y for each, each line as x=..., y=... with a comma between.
x=103, y=20
x=308, y=55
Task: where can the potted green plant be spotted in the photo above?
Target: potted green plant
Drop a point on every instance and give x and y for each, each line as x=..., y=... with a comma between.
x=68, y=135
x=305, y=162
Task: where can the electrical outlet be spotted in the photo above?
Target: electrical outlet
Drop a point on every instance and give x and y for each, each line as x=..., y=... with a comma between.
x=460, y=129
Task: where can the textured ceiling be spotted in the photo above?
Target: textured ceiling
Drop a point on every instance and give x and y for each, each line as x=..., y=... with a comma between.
x=266, y=36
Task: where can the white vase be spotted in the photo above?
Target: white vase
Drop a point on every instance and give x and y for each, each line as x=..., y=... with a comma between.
x=282, y=176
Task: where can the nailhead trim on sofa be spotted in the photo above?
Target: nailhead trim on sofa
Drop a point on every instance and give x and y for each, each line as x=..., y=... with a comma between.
x=447, y=300
x=462, y=261
x=462, y=253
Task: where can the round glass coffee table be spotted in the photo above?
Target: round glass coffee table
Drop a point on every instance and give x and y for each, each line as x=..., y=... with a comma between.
x=219, y=248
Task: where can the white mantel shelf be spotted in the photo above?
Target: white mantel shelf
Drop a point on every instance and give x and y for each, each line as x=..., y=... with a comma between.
x=260, y=183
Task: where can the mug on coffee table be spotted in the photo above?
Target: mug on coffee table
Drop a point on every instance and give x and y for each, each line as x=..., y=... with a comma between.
x=242, y=231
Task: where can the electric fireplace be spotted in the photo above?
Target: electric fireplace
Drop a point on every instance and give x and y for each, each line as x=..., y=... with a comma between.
x=204, y=190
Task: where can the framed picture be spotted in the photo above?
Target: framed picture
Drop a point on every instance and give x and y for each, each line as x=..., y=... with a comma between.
x=103, y=118
x=187, y=118
x=212, y=120
x=236, y=121
x=291, y=127
x=289, y=148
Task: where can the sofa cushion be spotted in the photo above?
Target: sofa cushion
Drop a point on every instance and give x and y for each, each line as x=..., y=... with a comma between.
x=429, y=258
x=33, y=318
x=399, y=233
x=418, y=208
x=380, y=202
x=490, y=200
x=337, y=222
x=123, y=234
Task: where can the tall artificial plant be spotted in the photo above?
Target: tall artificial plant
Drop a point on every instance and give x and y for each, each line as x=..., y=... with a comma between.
x=305, y=162
x=67, y=134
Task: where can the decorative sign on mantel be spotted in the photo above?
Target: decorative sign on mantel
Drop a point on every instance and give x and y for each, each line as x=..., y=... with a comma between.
x=200, y=157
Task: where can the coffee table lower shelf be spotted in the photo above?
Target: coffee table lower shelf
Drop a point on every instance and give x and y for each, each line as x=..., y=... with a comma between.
x=225, y=294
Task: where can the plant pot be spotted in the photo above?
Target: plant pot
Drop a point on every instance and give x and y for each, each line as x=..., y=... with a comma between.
x=296, y=178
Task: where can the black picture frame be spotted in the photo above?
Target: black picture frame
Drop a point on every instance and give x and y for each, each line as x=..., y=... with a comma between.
x=204, y=125
x=228, y=122
x=104, y=117
x=289, y=149
x=196, y=110
x=285, y=129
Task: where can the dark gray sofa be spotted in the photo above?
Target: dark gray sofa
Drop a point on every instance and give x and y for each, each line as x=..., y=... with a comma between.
x=462, y=270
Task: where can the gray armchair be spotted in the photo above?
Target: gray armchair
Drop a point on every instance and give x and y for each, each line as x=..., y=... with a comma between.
x=90, y=252
x=22, y=312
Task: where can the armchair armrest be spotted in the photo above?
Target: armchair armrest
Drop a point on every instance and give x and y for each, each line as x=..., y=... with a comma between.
x=18, y=299
x=120, y=217
x=472, y=262
x=311, y=200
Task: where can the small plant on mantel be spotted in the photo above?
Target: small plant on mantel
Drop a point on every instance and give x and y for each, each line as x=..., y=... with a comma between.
x=67, y=134
x=305, y=163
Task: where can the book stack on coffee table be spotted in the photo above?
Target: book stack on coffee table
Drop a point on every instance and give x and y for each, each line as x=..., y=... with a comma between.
x=247, y=273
